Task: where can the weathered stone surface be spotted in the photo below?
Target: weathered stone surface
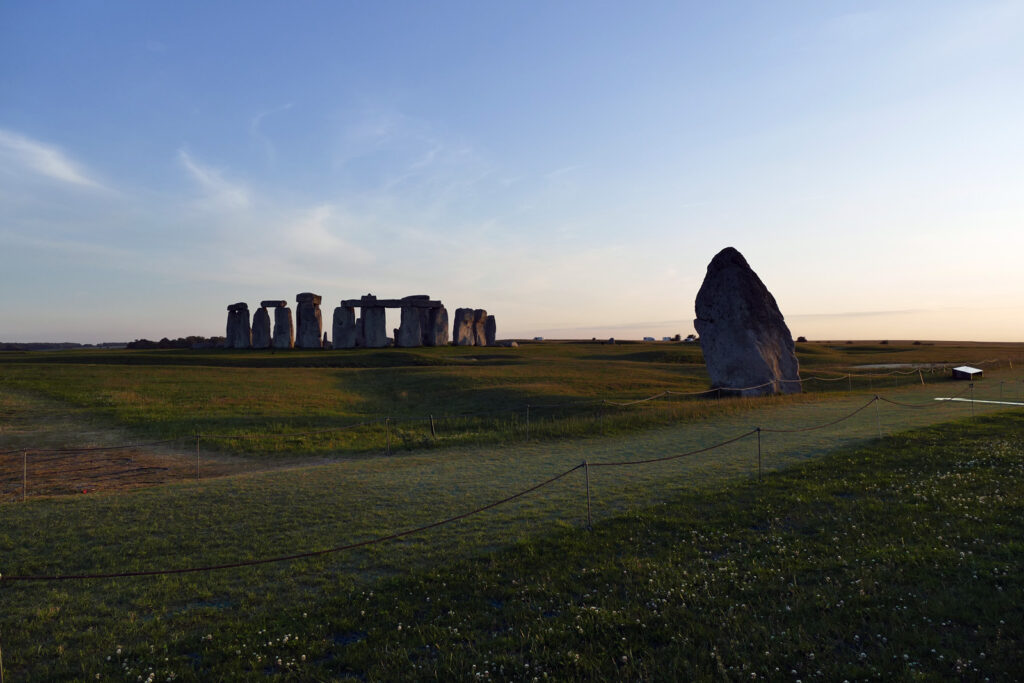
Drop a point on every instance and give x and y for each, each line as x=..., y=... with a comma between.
x=490, y=330
x=344, y=328
x=309, y=324
x=463, y=330
x=261, y=329
x=273, y=303
x=479, y=327
x=410, y=330
x=374, y=326
x=434, y=326
x=743, y=335
x=238, y=333
x=284, y=331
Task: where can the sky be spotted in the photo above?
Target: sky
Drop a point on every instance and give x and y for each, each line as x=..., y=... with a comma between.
x=570, y=166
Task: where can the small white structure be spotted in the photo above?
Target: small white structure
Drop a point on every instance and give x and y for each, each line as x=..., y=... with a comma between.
x=966, y=372
x=648, y=338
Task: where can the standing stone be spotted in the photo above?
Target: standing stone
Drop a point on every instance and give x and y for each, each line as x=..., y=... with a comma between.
x=374, y=324
x=435, y=326
x=261, y=329
x=490, y=331
x=480, y=327
x=324, y=344
x=238, y=333
x=308, y=321
x=344, y=328
x=743, y=335
x=284, y=331
x=410, y=332
x=463, y=331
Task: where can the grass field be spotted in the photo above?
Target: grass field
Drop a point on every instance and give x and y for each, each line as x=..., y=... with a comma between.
x=701, y=524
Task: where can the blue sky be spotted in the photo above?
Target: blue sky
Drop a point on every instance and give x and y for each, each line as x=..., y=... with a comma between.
x=569, y=166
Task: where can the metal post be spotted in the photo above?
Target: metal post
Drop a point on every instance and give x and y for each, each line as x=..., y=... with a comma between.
x=759, y=454
x=387, y=432
x=878, y=420
x=586, y=474
x=197, y=457
x=433, y=432
x=921, y=375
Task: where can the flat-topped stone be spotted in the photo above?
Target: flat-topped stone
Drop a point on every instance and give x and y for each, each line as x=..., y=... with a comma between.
x=276, y=303
x=308, y=298
x=417, y=301
x=240, y=306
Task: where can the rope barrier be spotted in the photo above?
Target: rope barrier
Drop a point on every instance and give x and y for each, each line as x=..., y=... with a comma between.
x=92, y=449
x=625, y=463
x=608, y=402
x=295, y=556
x=923, y=405
x=821, y=426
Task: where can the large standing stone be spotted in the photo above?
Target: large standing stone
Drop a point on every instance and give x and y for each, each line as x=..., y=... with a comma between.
x=490, y=331
x=239, y=333
x=374, y=326
x=480, y=327
x=746, y=344
x=409, y=332
x=435, y=326
x=261, y=329
x=308, y=321
x=344, y=328
x=463, y=330
x=284, y=330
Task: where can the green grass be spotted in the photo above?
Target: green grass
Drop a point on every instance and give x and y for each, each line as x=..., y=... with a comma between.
x=476, y=396
x=897, y=558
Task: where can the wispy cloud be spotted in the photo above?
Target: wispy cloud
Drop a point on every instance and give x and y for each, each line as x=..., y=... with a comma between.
x=25, y=154
x=258, y=134
x=220, y=192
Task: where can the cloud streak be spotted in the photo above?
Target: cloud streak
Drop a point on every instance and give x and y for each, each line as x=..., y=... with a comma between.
x=220, y=193
x=26, y=154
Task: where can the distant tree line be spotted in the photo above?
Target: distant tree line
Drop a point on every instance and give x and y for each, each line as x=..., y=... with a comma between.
x=56, y=346
x=190, y=342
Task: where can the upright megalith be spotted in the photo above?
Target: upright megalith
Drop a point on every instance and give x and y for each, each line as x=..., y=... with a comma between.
x=463, y=330
x=747, y=346
x=284, y=330
x=434, y=326
x=239, y=333
x=308, y=321
x=410, y=329
x=373, y=323
x=261, y=329
x=480, y=327
x=490, y=331
x=344, y=328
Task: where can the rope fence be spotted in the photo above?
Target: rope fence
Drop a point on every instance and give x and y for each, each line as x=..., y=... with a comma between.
x=122, y=472
x=585, y=466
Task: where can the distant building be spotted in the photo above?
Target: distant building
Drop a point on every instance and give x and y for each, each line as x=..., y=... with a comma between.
x=648, y=338
x=538, y=339
x=666, y=339
x=966, y=372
